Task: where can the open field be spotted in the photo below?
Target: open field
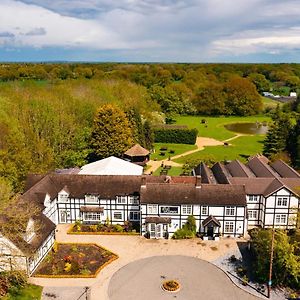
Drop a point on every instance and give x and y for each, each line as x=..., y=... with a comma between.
x=174, y=171
x=270, y=103
x=214, y=128
x=239, y=148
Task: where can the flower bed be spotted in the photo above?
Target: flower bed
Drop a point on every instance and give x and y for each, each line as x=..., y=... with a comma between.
x=171, y=286
x=126, y=229
x=74, y=260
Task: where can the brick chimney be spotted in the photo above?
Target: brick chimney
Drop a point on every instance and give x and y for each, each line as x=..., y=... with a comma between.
x=143, y=185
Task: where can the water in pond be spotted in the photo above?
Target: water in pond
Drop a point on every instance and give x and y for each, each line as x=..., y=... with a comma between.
x=248, y=128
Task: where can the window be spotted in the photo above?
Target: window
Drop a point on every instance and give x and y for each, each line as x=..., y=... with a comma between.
x=282, y=201
x=229, y=227
x=152, y=209
x=169, y=209
x=186, y=209
x=118, y=215
x=252, y=214
x=204, y=210
x=133, y=200
x=134, y=216
x=63, y=198
x=121, y=199
x=253, y=198
x=92, y=216
x=229, y=211
x=280, y=219
x=91, y=199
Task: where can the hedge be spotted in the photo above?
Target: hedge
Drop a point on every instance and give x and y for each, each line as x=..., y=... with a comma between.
x=175, y=135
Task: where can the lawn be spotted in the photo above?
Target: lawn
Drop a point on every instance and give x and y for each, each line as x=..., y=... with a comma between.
x=174, y=171
x=214, y=127
x=177, y=148
x=239, y=148
x=74, y=260
x=30, y=292
x=267, y=102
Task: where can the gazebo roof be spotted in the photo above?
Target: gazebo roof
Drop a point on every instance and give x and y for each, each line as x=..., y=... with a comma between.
x=137, y=150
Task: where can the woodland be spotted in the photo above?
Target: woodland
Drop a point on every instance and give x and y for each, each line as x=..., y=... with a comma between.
x=52, y=115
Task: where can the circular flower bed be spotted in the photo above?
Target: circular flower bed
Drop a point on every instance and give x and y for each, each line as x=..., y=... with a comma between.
x=171, y=286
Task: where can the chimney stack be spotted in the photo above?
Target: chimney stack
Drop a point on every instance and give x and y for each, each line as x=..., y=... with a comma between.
x=198, y=182
x=143, y=185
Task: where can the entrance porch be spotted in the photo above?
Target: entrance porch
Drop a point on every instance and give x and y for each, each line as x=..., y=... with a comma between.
x=211, y=227
x=157, y=227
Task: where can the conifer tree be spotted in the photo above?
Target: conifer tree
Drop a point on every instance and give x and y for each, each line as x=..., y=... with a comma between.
x=112, y=134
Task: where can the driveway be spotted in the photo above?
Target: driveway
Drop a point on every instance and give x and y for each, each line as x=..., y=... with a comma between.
x=198, y=279
x=130, y=249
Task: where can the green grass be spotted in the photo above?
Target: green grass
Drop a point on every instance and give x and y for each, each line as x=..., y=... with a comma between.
x=215, y=125
x=174, y=171
x=240, y=148
x=30, y=292
x=178, y=148
x=267, y=102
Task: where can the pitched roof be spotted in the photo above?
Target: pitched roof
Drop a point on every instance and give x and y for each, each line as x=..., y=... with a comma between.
x=111, y=166
x=137, y=150
x=237, y=169
x=210, y=219
x=207, y=176
x=220, y=173
x=157, y=220
x=209, y=194
x=284, y=169
x=260, y=168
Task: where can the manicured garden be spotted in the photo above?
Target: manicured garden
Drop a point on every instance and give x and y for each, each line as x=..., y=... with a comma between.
x=162, y=151
x=214, y=126
x=104, y=228
x=74, y=260
x=173, y=171
x=240, y=148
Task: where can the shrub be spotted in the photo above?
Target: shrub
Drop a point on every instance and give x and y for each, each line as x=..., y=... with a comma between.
x=67, y=267
x=183, y=233
x=176, y=135
x=118, y=228
x=191, y=224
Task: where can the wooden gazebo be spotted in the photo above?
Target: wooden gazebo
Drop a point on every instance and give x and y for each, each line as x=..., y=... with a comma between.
x=137, y=154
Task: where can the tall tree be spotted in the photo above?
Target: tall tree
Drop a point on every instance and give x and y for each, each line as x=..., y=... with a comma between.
x=111, y=133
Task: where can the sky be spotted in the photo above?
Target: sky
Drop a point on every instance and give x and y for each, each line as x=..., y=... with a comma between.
x=150, y=30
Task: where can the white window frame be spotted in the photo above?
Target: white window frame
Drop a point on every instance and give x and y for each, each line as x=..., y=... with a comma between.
x=282, y=201
x=186, y=209
x=92, y=216
x=133, y=200
x=118, y=212
x=229, y=227
x=121, y=199
x=152, y=209
x=91, y=199
x=229, y=211
x=253, y=198
x=167, y=210
x=252, y=214
x=281, y=219
x=134, y=215
x=204, y=210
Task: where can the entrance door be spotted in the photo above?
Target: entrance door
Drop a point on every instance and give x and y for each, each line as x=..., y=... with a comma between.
x=159, y=231
x=63, y=217
x=152, y=230
x=210, y=231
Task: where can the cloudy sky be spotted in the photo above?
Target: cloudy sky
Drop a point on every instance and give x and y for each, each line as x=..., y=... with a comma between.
x=150, y=30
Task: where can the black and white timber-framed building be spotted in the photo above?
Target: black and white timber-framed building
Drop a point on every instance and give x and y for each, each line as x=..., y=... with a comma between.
x=226, y=200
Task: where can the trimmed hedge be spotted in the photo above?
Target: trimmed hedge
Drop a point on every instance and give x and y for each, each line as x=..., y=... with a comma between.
x=175, y=135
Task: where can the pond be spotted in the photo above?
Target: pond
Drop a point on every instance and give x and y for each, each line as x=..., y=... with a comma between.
x=248, y=128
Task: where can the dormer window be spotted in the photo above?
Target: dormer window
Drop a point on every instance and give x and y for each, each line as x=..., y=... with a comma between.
x=91, y=199
x=30, y=233
x=63, y=198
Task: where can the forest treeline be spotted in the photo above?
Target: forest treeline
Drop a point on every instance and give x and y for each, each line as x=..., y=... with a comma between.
x=47, y=111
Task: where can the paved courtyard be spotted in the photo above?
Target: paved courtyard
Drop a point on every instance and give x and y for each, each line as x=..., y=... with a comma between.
x=130, y=249
x=142, y=279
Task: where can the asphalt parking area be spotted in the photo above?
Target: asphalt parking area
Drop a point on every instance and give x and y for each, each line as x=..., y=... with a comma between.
x=142, y=280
